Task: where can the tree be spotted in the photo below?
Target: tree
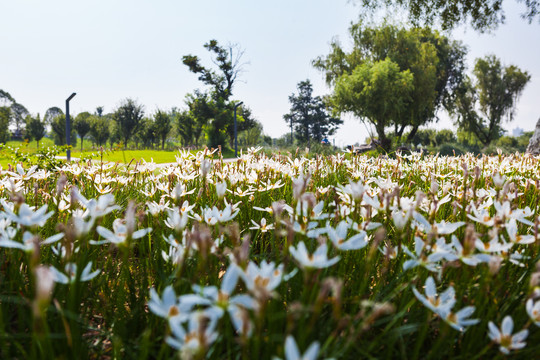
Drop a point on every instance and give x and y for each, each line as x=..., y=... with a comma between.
x=35, y=128
x=51, y=114
x=251, y=136
x=128, y=116
x=81, y=124
x=376, y=92
x=99, y=129
x=308, y=115
x=163, y=126
x=221, y=81
x=18, y=116
x=190, y=124
x=244, y=122
x=147, y=133
x=58, y=129
x=6, y=97
x=435, y=62
x=216, y=105
x=483, y=15
x=5, y=115
x=495, y=94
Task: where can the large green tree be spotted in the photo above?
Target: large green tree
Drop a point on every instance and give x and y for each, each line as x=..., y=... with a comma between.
x=216, y=103
x=482, y=15
x=146, y=135
x=18, y=116
x=5, y=115
x=163, y=126
x=58, y=130
x=484, y=104
x=35, y=128
x=51, y=114
x=308, y=115
x=128, y=117
x=377, y=92
x=81, y=124
x=100, y=129
x=435, y=62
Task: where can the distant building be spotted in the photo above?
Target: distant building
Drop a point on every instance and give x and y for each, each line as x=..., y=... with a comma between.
x=517, y=132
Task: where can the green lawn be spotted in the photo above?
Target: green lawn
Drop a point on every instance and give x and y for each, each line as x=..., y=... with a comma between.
x=122, y=156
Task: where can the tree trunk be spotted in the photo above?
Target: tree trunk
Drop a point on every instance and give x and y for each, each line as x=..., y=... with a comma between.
x=413, y=132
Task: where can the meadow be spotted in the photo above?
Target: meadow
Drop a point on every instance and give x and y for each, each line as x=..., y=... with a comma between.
x=14, y=152
x=282, y=255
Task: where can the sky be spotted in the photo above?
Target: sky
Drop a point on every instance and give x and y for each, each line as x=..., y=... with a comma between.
x=107, y=51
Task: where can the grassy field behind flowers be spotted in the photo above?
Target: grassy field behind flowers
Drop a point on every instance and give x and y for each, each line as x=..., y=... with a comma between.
x=329, y=257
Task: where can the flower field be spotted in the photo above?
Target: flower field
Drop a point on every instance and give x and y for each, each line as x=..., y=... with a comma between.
x=284, y=256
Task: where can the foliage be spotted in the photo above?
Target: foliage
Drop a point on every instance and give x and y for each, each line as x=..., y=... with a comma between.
x=309, y=117
x=435, y=62
x=163, y=126
x=58, y=130
x=99, y=129
x=376, y=92
x=482, y=15
x=348, y=256
x=51, y=114
x=147, y=133
x=213, y=110
x=5, y=115
x=128, y=118
x=494, y=93
x=82, y=125
x=18, y=115
x=35, y=128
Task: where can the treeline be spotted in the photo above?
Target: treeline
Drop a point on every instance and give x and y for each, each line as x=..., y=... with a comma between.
x=206, y=119
x=399, y=80
x=127, y=125
x=448, y=142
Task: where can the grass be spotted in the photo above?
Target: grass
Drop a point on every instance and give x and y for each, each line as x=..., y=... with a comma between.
x=117, y=155
x=367, y=214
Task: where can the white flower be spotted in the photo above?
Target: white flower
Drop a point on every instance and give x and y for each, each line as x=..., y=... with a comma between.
x=169, y=306
x=219, y=300
x=317, y=260
x=511, y=229
x=419, y=258
x=432, y=300
x=293, y=353
x=120, y=235
x=97, y=208
x=533, y=309
x=27, y=217
x=441, y=228
x=221, y=188
x=176, y=220
x=442, y=306
x=338, y=236
x=504, y=336
x=155, y=208
x=262, y=280
x=198, y=337
x=400, y=218
x=71, y=271
x=28, y=241
x=263, y=227
x=206, y=165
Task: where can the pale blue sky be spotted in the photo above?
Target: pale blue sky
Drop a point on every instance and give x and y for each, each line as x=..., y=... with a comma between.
x=108, y=50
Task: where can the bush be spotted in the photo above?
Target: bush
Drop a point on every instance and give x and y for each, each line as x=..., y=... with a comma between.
x=451, y=149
